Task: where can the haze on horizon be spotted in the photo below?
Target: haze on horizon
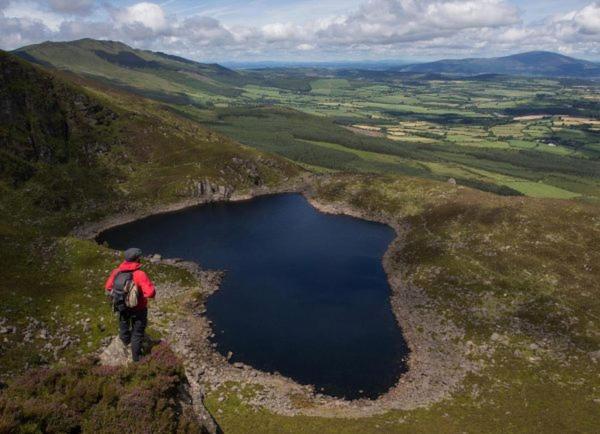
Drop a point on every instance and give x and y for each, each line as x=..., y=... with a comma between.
x=311, y=30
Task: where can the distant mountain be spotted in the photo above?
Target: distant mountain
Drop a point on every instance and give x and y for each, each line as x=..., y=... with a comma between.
x=376, y=65
x=534, y=63
x=152, y=74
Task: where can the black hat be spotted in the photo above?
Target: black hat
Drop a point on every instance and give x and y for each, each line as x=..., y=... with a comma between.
x=133, y=254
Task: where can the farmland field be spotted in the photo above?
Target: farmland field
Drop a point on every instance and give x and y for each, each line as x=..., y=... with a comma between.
x=535, y=137
x=509, y=135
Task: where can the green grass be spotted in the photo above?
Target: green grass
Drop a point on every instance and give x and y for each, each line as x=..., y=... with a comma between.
x=539, y=189
x=328, y=86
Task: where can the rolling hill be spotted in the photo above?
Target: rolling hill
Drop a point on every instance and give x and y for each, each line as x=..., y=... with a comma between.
x=302, y=114
x=153, y=74
x=534, y=63
x=73, y=147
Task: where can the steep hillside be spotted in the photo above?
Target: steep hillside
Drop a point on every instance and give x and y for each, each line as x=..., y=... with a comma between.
x=158, y=75
x=538, y=63
x=73, y=150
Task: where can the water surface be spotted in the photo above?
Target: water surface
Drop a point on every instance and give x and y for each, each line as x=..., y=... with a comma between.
x=305, y=293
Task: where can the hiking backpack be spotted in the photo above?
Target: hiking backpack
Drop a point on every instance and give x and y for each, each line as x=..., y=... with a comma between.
x=125, y=293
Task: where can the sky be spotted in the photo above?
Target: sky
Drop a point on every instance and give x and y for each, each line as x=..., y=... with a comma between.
x=313, y=30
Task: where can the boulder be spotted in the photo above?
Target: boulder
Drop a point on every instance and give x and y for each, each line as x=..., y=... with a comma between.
x=116, y=353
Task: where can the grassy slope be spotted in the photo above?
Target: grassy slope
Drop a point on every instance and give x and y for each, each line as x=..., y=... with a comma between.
x=87, y=397
x=153, y=74
x=519, y=275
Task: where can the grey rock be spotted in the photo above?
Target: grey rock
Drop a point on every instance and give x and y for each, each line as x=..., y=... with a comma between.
x=116, y=353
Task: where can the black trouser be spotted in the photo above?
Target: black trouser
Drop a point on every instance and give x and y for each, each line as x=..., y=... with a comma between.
x=132, y=325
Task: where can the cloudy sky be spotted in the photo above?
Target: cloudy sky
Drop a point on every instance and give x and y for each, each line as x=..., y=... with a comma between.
x=302, y=30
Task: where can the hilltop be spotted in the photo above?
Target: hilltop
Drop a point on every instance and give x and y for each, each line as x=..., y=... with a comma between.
x=158, y=75
x=533, y=63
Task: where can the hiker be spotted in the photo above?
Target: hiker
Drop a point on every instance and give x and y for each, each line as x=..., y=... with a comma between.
x=130, y=288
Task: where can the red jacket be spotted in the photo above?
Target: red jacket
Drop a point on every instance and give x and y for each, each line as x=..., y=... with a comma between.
x=139, y=278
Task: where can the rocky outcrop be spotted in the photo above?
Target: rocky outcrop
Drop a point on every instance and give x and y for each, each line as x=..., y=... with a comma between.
x=210, y=190
x=190, y=397
x=115, y=353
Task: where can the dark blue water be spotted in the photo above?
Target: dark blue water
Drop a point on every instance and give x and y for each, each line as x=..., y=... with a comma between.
x=305, y=293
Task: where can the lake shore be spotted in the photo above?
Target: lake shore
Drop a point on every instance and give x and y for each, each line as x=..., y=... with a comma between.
x=437, y=361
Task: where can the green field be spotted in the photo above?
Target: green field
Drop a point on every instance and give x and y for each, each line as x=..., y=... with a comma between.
x=428, y=126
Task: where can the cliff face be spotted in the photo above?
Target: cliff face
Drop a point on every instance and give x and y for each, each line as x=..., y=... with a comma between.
x=45, y=121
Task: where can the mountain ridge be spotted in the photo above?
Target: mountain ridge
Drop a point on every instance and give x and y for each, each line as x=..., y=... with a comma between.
x=140, y=71
x=533, y=63
x=50, y=53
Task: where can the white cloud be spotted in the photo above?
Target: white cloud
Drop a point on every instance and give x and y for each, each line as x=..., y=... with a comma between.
x=588, y=19
x=148, y=15
x=469, y=14
x=202, y=31
x=30, y=11
x=305, y=47
x=401, y=21
x=376, y=28
x=16, y=32
x=281, y=32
